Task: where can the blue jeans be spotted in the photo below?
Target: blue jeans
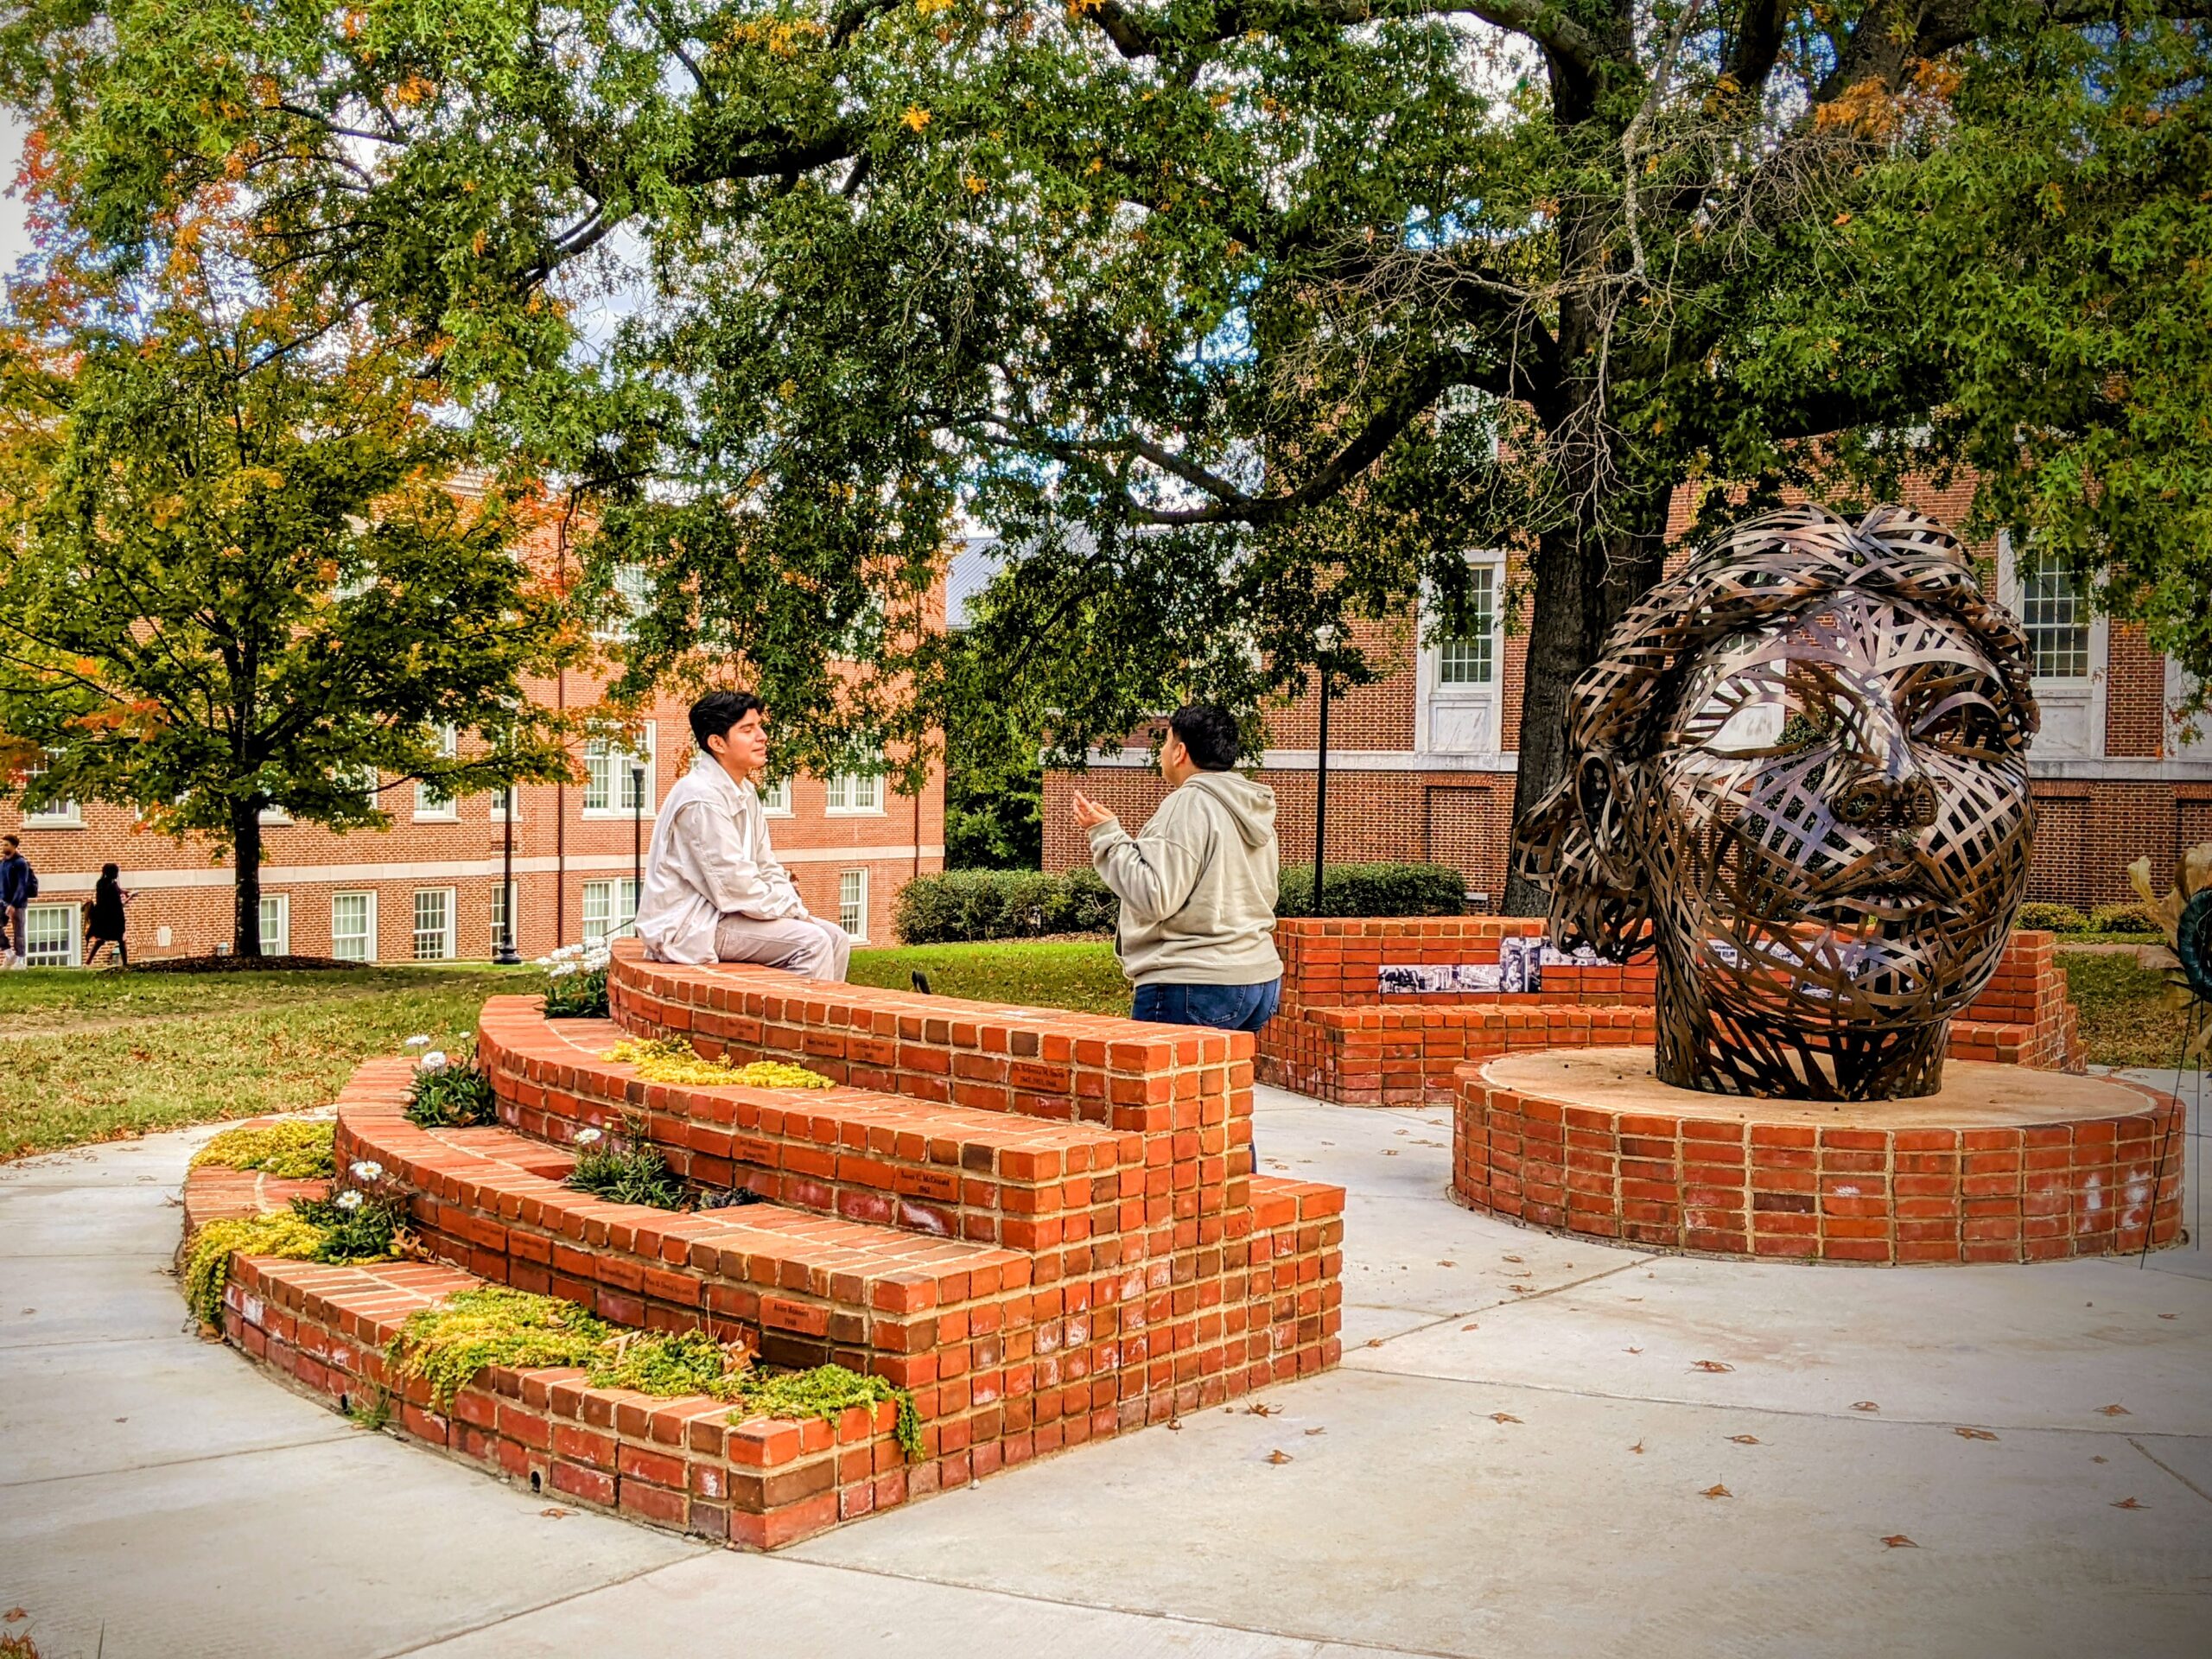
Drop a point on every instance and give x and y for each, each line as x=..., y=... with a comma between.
x=1225, y=1007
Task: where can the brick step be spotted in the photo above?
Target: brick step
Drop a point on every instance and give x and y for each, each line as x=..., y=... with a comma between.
x=806, y=1289
x=948, y=1172
x=1043, y=1063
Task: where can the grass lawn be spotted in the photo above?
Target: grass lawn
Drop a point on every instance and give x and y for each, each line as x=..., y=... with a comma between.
x=99, y=1056
x=2125, y=1018
x=1083, y=976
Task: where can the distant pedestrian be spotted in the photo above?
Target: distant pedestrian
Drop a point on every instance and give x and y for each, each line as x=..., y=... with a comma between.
x=1197, y=884
x=18, y=887
x=104, y=917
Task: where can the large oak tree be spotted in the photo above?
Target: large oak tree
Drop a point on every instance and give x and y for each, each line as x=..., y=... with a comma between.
x=1238, y=316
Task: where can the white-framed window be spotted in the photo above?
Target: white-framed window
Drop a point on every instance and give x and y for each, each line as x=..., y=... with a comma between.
x=852, y=902
x=2056, y=614
x=433, y=924
x=503, y=906
x=1462, y=672
x=354, y=926
x=59, y=815
x=275, y=817
x=611, y=786
x=276, y=924
x=367, y=779
x=2069, y=642
x=776, y=797
x=852, y=793
x=50, y=935
x=609, y=909
x=632, y=597
x=1471, y=658
x=505, y=800
x=432, y=803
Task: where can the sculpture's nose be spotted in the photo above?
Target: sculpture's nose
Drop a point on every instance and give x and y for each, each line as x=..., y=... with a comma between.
x=1885, y=788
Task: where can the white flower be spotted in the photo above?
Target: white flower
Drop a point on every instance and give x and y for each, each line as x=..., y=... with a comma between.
x=349, y=1200
x=561, y=972
x=433, y=1061
x=366, y=1170
x=587, y=1137
x=418, y=1042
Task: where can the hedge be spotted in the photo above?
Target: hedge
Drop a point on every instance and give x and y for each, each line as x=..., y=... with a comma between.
x=1374, y=890
x=962, y=906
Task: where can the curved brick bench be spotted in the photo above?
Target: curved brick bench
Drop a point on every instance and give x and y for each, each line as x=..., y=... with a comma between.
x=947, y=1170
x=1043, y=1225
x=677, y=1463
x=2002, y=1165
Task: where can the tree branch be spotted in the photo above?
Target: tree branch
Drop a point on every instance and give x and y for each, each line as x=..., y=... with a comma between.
x=1136, y=33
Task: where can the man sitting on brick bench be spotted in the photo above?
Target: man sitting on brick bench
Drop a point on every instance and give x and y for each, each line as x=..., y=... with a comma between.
x=714, y=891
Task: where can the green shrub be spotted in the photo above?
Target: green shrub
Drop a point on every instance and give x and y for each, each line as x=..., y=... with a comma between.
x=633, y=1174
x=1374, y=890
x=2058, y=919
x=491, y=1324
x=355, y=1226
x=208, y=1260
x=449, y=1095
x=959, y=906
x=2122, y=918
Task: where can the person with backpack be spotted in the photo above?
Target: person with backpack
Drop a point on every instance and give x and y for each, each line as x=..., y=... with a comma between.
x=18, y=887
x=104, y=917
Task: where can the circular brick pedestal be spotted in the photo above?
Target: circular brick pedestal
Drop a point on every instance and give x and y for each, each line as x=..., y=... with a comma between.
x=2007, y=1164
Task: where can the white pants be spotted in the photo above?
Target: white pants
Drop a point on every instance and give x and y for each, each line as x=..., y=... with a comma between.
x=799, y=944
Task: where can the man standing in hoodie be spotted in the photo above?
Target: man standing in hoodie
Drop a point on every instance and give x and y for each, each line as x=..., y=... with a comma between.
x=714, y=890
x=1197, y=884
x=18, y=887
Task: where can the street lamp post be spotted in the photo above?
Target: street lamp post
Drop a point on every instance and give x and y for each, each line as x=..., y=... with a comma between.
x=506, y=955
x=1324, y=640
x=637, y=841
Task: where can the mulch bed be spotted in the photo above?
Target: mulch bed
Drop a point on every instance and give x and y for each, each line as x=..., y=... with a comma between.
x=239, y=965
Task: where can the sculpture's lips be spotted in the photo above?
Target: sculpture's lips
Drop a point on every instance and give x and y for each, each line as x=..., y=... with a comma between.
x=1880, y=902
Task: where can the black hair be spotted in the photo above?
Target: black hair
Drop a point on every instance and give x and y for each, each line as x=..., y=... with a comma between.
x=716, y=713
x=111, y=871
x=1209, y=732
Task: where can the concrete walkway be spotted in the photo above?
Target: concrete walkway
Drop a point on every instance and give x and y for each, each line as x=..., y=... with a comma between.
x=1534, y=1447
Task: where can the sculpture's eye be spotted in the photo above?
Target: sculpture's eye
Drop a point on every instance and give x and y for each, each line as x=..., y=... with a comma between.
x=1963, y=725
x=1774, y=725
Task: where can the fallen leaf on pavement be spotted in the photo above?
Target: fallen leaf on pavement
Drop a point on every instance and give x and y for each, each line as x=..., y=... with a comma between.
x=1631, y=1350
x=1973, y=1433
x=556, y=1515
x=1471, y=1327
x=1278, y=1456
x=2114, y=1411
x=1261, y=1410
x=1447, y=1264
x=2130, y=1503
x=1375, y=1342
x=1518, y=1290
x=16, y=1615
x=1711, y=1365
x=1503, y=1417
x=1390, y=1152
x=2099, y=1459
x=1637, y=1448
x=1864, y=1405
x=1512, y=1258
x=1744, y=1439
x=2170, y=1316
x=1898, y=1540
x=1716, y=1490
x=1312, y=1432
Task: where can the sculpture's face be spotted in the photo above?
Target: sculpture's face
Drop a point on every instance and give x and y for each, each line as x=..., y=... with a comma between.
x=1836, y=829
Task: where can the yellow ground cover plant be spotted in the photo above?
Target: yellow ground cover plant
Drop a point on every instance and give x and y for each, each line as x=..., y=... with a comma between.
x=671, y=1060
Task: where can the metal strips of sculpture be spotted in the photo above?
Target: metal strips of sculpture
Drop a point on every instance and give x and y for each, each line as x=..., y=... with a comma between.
x=1798, y=773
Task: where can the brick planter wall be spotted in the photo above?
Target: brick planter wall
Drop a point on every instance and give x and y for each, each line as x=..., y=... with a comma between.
x=1339, y=1039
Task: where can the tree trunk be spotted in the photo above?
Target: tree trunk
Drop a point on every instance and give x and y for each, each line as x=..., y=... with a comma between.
x=245, y=857
x=1587, y=574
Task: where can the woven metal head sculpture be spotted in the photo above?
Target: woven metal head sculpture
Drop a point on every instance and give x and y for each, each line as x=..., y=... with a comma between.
x=1798, y=773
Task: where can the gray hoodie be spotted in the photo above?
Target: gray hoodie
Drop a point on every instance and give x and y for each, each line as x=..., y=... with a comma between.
x=1197, y=885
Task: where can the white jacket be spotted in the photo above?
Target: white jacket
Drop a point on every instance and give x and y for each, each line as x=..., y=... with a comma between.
x=709, y=858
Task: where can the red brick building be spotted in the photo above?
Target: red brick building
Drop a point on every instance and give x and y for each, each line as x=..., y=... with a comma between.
x=1422, y=763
